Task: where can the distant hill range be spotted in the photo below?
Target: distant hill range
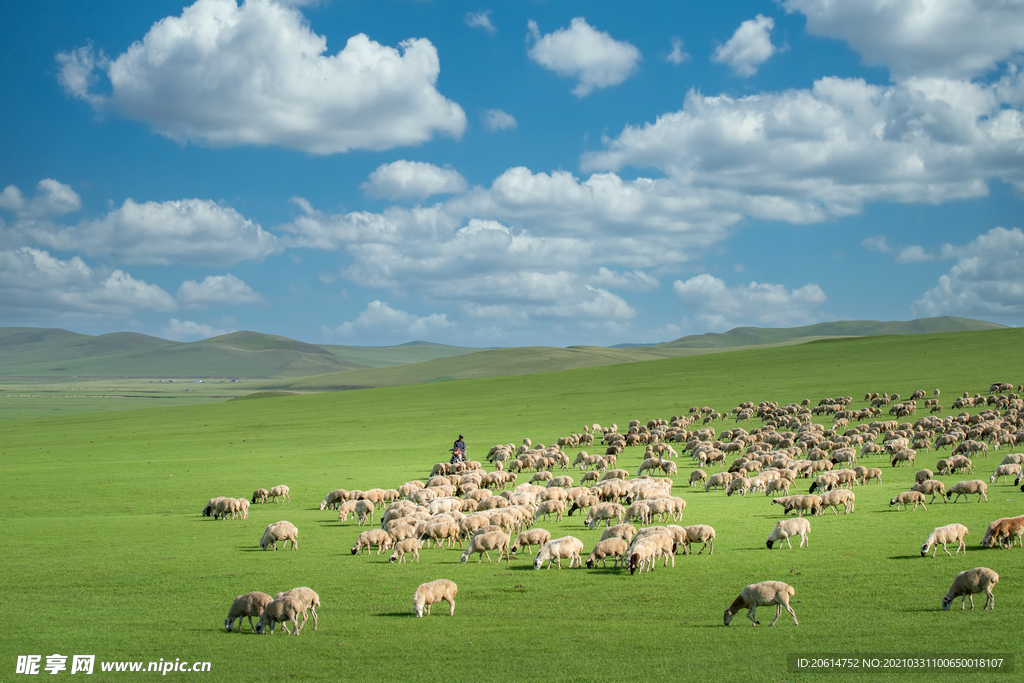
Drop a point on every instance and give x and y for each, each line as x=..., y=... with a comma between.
x=293, y=365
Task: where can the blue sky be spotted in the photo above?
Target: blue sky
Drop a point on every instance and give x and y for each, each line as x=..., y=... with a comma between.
x=516, y=173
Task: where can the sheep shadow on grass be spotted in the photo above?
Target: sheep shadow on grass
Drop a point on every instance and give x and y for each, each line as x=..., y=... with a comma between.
x=905, y=557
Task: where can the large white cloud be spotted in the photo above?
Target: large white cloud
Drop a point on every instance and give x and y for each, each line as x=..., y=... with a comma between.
x=217, y=289
x=749, y=47
x=593, y=57
x=225, y=74
x=179, y=231
x=986, y=282
x=35, y=286
x=804, y=155
x=187, y=330
x=413, y=180
x=717, y=306
x=53, y=198
x=380, y=319
x=949, y=38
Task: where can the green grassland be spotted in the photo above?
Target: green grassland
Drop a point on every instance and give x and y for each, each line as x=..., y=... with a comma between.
x=109, y=555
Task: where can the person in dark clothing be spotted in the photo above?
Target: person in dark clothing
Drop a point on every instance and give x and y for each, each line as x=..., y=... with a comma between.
x=459, y=450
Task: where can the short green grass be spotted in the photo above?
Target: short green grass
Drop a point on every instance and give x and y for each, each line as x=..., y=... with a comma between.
x=109, y=556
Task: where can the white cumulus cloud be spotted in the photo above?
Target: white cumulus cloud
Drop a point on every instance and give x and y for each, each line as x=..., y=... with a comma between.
x=719, y=306
x=593, y=57
x=987, y=281
x=496, y=119
x=946, y=38
x=38, y=287
x=53, y=198
x=256, y=74
x=481, y=20
x=413, y=180
x=677, y=56
x=179, y=231
x=749, y=47
x=217, y=289
x=380, y=319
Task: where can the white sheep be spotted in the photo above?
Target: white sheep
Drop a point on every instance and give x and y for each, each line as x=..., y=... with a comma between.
x=482, y=543
x=377, y=537
x=549, y=507
x=530, y=538
x=333, y=499
x=279, y=492
x=435, y=591
x=408, y=545
x=932, y=487
x=567, y=547
x=844, y=497
x=1010, y=469
x=964, y=488
x=281, y=610
x=364, y=511
x=280, y=531
x=309, y=600
x=260, y=496
x=764, y=593
x=977, y=580
x=906, y=498
x=698, y=476
x=610, y=547
x=946, y=534
x=623, y=531
x=784, y=529
x=605, y=512
x=699, y=533
x=248, y=605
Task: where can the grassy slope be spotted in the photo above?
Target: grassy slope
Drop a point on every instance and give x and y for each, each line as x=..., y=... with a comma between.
x=382, y=356
x=152, y=579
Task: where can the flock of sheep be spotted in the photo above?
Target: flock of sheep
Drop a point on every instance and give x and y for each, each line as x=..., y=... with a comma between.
x=483, y=512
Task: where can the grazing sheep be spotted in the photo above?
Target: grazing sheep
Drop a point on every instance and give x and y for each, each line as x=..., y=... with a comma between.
x=699, y=533
x=346, y=508
x=698, y=476
x=260, y=496
x=584, y=502
x=529, y=538
x=796, y=526
x=605, y=512
x=211, y=507
x=280, y=531
x=965, y=488
x=923, y=475
x=777, y=485
x=933, y=488
x=946, y=534
x=977, y=580
x=844, y=497
x=559, y=549
x=549, y=507
x=280, y=611
x=248, y=605
x=334, y=499
x=377, y=537
x=309, y=600
x=1009, y=528
x=441, y=532
x=435, y=591
x=904, y=455
x=364, y=511
x=279, y=492
x=872, y=473
x=646, y=550
x=906, y=498
x=624, y=531
x=719, y=479
x=410, y=545
x=481, y=543
x=610, y=547
x=810, y=503
x=764, y=593
x=1009, y=469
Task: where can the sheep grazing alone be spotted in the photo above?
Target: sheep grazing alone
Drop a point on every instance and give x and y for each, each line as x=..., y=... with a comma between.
x=482, y=543
x=279, y=492
x=764, y=593
x=965, y=488
x=951, y=533
x=280, y=531
x=248, y=605
x=784, y=529
x=309, y=600
x=699, y=533
x=567, y=547
x=280, y=611
x=906, y=498
x=435, y=591
x=610, y=547
x=966, y=584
